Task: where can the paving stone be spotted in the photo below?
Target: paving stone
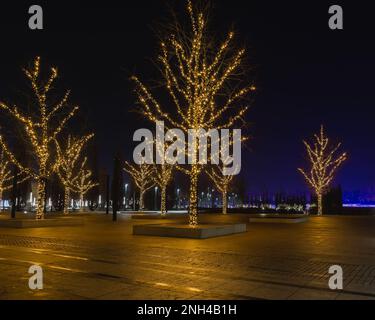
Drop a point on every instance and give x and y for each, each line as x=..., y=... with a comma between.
x=102, y=260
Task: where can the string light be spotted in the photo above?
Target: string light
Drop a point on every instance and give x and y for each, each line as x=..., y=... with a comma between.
x=143, y=178
x=324, y=165
x=40, y=130
x=196, y=80
x=66, y=163
x=163, y=175
x=82, y=183
x=6, y=176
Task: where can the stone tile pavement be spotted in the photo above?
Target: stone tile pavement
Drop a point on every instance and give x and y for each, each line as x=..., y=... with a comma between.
x=103, y=260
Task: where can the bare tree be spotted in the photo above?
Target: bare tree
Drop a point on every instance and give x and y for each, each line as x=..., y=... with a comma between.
x=143, y=178
x=7, y=177
x=324, y=164
x=162, y=177
x=66, y=164
x=204, y=83
x=222, y=183
x=82, y=182
x=41, y=129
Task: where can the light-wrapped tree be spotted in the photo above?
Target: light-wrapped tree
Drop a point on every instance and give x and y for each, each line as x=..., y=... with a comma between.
x=222, y=183
x=143, y=176
x=42, y=124
x=162, y=177
x=324, y=165
x=67, y=158
x=204, y=82
x=6, y=176
x=163, y=174
x=82, y=182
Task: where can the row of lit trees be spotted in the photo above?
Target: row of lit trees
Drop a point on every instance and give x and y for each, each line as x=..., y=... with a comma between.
x=205, y=84
x=42, y=125
x=324, y=164
x=203, y=80
x=147, y=176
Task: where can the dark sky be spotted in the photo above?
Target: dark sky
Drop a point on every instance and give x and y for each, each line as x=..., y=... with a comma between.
x=306, y=74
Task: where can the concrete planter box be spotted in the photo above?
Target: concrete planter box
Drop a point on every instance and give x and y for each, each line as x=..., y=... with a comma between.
x=279, y=219
x=156, y=216
x=204, y=231
x=46, y=223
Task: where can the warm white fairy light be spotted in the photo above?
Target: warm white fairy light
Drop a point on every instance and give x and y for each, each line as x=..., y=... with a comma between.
x=222, y=183
x=67, y=158
x=143, y=178
x=197, y=78
x=163, y=175
x=6, y=176
x=41, y=129
x=324, y=165
x=82, y=182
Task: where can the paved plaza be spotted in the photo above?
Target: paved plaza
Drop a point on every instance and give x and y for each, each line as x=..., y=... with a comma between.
x=103, y=260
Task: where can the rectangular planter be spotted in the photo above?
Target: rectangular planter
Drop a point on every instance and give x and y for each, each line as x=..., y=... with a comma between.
x=204, y=231
x=46, y=223
x=278, y=219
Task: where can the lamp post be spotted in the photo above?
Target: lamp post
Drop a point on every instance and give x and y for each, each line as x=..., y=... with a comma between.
x=156, y=199
x=178, y=198
x=126, y=194
x=134, y=202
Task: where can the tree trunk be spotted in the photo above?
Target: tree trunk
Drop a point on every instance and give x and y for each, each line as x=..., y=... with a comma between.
x=66, y=200
x=82, y=208
x=14, y=195
x=225, y=202
x=163, y=205
x=41, y=198
x=141, y=200
x=320, y=204
x=193, y=203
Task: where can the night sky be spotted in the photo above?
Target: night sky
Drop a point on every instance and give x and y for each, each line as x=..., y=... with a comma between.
x=306, y=74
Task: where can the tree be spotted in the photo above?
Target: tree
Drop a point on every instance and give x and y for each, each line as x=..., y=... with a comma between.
x=93, y=194
x=67, y=158
x=82, y=182
x=203, y=82
x=42, y=125
x=222, y=183
x=163, y=177
x=143, y=178
x=324, y=165
x=6, y=177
